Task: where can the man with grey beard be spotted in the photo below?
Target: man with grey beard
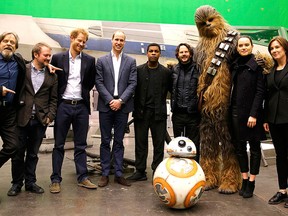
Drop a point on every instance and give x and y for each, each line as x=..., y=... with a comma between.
x=12, y=73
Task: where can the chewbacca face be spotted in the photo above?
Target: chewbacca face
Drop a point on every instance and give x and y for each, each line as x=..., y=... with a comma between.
x=209, y=22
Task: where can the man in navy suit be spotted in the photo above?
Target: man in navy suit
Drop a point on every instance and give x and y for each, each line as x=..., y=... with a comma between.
x=116, y=81
x=74, y=85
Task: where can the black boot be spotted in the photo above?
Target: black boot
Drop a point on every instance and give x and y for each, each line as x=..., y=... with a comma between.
x=243, y=188
x=249, y=189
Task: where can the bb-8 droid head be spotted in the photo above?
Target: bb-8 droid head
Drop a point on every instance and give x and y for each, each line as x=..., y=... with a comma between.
x=181, y=147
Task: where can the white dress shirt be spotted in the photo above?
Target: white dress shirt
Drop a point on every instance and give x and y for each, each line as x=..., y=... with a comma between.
x=73, y=89
x=116, y=66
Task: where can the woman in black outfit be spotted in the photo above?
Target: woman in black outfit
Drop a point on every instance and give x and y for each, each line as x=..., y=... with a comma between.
x=247, y=96
x=276, y=113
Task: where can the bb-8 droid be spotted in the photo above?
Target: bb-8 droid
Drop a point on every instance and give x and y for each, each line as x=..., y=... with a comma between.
x=179, y=180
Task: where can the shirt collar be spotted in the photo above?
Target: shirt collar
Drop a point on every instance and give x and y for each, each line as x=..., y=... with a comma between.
x=113, y=55
x=78, y=56
x=35, y=69
x=11, y=59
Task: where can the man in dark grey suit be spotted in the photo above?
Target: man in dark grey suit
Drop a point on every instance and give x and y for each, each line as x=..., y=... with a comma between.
x=74, y=85
x=116, y=81
x=39, y=102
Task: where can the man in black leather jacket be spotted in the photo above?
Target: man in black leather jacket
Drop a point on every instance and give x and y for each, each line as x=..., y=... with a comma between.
x=186, y=117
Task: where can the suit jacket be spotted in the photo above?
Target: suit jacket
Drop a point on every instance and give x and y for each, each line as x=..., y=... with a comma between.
x=45, y=99
x=88, y=72
x=276, y=101
x=105, y=82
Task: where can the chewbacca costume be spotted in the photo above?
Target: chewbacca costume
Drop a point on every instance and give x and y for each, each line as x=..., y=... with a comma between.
x=216, y=46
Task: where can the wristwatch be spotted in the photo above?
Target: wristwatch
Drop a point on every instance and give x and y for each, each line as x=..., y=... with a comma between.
x=121, y=101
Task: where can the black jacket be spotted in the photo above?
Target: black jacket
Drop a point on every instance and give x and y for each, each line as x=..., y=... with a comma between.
x=276, y=101
x=190, y=91
x=249, y=92
x=161, y=88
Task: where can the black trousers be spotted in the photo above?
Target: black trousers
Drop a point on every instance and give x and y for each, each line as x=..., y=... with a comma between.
x=158, y=132
x=241, y=150
x=8, y=133
x=25, y=161
x=279, y=134
x=185, y=124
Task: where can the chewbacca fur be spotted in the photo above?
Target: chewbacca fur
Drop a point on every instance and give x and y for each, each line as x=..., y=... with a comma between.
x=218, y=158
x=265, y=61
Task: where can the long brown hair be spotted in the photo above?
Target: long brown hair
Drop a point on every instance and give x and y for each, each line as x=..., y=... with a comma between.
x=283, y=42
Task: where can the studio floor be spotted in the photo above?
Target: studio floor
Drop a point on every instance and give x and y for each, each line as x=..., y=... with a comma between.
x=137, y=200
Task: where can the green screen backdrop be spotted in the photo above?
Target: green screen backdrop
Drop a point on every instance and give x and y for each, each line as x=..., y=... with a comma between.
x=236, y=12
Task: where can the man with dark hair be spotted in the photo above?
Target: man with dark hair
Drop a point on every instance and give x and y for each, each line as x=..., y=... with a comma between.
x=12, y=73
x=150, y=111
x=184, y=100
x=39, y=97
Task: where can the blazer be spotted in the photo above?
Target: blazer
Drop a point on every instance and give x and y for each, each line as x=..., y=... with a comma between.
x=276, y=101
x=45, y=99
x=88, y=72
x=105, y=82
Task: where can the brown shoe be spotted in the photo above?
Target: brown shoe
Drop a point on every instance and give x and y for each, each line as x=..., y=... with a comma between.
x=86, y=183
x=121, y=180
x=103, y=181
x=55, y=187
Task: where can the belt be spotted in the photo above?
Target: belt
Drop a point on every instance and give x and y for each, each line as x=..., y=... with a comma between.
x=33, y=116
x=5, y=103
x=73, y=102
x=116, y=97
x=181, y=109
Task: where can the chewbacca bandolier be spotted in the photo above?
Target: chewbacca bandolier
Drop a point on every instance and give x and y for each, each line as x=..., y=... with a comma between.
x=216, y=46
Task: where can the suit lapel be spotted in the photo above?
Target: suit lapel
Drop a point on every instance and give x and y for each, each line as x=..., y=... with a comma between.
x=29, y=80
x=110, y=65
x=284, y=72
x=66, y=64
x=122, y=64
x=282, y=75
x=83, y=66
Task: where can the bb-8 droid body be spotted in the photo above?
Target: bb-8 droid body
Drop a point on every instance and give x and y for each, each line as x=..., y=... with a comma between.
x=179, y=180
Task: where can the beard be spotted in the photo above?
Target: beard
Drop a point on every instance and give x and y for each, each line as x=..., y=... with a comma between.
x=7, y=54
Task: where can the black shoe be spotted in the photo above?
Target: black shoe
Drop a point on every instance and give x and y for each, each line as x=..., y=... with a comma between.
x=277, y=198
x=243, y=188
x=14, y=190
x=121, y=180
x=249, y=189
x=127, y=130
x=138, y=176
x=34, y=188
